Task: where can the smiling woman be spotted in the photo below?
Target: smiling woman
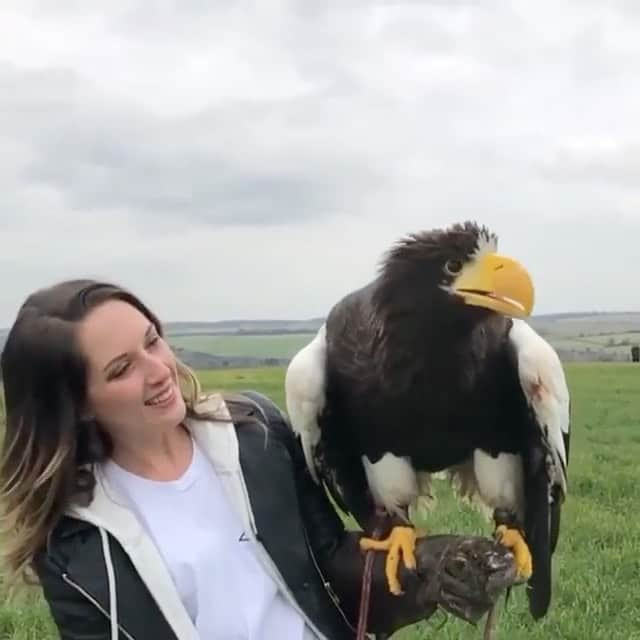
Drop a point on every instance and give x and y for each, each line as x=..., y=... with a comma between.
x=146, y=509
x=60, y=384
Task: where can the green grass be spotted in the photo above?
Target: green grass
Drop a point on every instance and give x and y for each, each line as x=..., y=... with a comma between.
x=597, y=564
x=258, y=346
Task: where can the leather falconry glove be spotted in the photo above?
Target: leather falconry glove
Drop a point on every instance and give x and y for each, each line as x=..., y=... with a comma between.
x=463, y=575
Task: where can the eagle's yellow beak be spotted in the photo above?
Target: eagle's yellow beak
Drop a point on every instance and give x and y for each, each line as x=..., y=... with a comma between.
x=498, y=283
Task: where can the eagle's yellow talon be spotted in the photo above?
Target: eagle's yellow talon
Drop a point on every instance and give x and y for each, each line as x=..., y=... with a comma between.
x=401, y=540
x=512, y=539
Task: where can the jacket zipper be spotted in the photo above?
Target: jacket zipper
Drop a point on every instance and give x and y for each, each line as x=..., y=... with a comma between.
x=267, y=559
x=327, y=585
x=91, y=599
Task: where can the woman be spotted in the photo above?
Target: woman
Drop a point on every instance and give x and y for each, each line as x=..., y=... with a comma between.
x=147, y=510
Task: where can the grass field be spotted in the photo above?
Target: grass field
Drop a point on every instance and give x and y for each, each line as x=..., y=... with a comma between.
x=597, y=566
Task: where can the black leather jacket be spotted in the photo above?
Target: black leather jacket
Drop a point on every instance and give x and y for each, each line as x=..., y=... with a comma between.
x=296, y=524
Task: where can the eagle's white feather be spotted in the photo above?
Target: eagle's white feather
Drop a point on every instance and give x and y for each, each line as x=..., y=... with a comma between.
x=500, y=481
x=393, y=482
x=543, y=381
x=304, y=394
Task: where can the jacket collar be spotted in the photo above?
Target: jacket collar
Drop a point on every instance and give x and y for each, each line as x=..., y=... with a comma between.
x=218, y=438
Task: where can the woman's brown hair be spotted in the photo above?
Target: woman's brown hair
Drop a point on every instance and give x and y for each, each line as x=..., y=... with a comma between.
x=48, y=450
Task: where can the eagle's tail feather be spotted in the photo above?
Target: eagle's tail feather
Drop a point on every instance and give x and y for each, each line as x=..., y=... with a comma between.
x=538, y=528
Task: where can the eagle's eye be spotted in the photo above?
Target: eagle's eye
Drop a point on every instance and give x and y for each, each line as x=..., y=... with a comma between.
x=453, y=267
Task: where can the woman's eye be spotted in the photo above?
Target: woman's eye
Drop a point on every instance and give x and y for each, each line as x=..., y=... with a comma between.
x=453, y=267
x=119, y=371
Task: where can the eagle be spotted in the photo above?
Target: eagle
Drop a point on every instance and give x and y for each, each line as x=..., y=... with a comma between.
x=429, y=370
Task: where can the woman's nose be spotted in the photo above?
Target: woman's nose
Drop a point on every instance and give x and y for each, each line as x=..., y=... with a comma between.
x=156, y=369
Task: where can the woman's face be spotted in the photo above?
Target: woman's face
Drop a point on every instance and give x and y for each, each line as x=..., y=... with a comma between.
x=132, y=382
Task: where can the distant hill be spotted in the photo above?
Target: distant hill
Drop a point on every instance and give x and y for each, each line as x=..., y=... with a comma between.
x=589, y=336
x=254, y=327
x=200, y=360
x=568, y=324
x=556, y=324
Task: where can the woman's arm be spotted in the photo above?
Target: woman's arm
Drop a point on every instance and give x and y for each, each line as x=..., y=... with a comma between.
x=464, y=575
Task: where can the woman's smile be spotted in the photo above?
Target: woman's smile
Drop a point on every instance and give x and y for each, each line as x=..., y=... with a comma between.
x=165, y=398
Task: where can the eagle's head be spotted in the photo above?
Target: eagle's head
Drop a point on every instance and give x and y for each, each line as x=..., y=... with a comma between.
x=458, y=265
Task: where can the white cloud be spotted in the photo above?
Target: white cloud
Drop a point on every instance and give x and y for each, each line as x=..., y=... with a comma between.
x=233, y=162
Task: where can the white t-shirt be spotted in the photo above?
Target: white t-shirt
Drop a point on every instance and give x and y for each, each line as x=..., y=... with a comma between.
x=225, y=589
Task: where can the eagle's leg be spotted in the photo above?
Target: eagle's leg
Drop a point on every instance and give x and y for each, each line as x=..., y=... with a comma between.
x=401, y=541
x=509, y=533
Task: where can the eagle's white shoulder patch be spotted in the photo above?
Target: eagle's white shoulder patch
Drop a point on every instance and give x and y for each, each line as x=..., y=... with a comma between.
x=544, y=384
x=304, y=394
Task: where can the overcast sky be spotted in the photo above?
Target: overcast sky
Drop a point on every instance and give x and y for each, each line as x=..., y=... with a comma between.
x=256, y=162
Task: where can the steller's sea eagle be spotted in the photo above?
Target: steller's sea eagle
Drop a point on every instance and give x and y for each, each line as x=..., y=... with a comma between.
x=430, y=368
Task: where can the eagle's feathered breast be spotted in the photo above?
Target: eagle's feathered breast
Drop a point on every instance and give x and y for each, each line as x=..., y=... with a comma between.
x=414, y=404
